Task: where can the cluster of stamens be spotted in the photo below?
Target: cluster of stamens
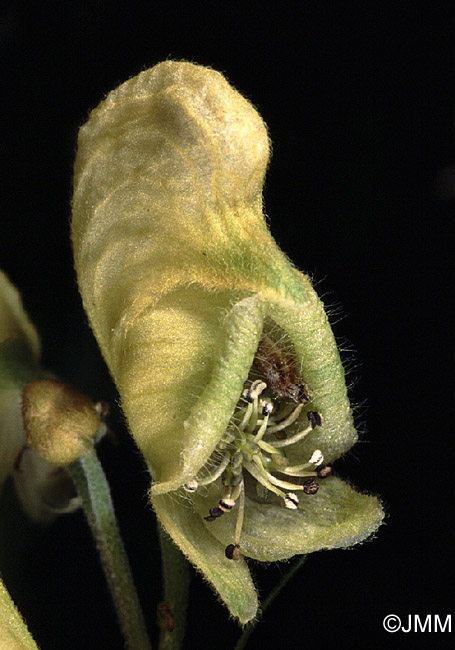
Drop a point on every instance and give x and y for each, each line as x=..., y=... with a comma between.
x=256, y=441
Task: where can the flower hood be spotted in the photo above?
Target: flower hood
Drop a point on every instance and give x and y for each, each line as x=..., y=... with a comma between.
x=192, y=302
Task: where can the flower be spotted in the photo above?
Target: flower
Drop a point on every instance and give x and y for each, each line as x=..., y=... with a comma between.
x=222, y=353
x=44, y=423
x=19, y=363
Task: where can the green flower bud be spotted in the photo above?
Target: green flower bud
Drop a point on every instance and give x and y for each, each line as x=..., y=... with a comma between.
x=61, y=423
x=34, y=460
x=19, y=363
x=225, y=362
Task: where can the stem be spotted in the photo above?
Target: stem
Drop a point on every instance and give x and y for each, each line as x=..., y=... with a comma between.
x=172, y=611
x=93, y=490
x=248, y=630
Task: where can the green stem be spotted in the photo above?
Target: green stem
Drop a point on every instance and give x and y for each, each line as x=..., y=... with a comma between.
x=248, y=630
x=172, y=611
x=93, y=490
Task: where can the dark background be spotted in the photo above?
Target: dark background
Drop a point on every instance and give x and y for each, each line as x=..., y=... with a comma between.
x=360, y=102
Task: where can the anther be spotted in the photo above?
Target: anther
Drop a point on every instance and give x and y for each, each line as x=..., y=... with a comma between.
x=226, y=505
x=317, y=458
x=290, y=419
x=253, y=392
x=267, y=408
x=232, y=552
x=291, y=501
x=310, y=486
x=314, y=418
x=191, y=486
x=214, y=514
x=323, y=471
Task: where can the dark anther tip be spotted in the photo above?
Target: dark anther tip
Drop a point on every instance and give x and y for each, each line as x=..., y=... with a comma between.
x=310, y=486
x=232, y=552
x=214, y=514
x=314, y=418
x=324, y=470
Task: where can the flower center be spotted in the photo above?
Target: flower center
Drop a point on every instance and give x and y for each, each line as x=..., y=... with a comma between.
x=256, y=442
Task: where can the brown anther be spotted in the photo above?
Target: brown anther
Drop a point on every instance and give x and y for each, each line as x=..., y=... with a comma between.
x=314, y=418
x=310, y=486
x=214, y=514
x=232, y=552
x=323, y=471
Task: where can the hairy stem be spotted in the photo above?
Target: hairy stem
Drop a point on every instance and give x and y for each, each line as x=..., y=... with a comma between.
x=172, y=611
x=93, y=490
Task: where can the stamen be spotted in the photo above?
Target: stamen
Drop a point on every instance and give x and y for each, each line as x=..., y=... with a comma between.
x=284, y=484
x=288, y=421
x=310, y=486
x=191, y=486
x=317, y=458
x=255, y=473
x=323, y=471
x=298, y=473
x=293, y=439
x=291, y=501
x=244, y=448
x=253, y=392
x=246, y=417
x=302, y=470
x=229, y=437
x=240, y=516
x=263, y=427
x=315, y=419
x=266, y=446
x=226, y=505
x=232, y=552
x=284, y=412
x=252, y=424
x=267, y=407
x=214, y=514
x=217, y=473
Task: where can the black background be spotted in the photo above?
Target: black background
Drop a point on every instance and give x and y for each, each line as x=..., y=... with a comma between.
x=360, y=102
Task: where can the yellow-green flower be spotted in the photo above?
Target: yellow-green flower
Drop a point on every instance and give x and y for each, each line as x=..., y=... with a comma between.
x=44, y=423
x=225, y=362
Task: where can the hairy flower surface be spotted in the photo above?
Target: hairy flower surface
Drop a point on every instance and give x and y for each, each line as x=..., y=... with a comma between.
x=225, y=362
x=44, y=423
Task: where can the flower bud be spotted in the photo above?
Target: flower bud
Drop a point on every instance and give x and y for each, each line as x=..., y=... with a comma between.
x=60, y=421
x=19, y=363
